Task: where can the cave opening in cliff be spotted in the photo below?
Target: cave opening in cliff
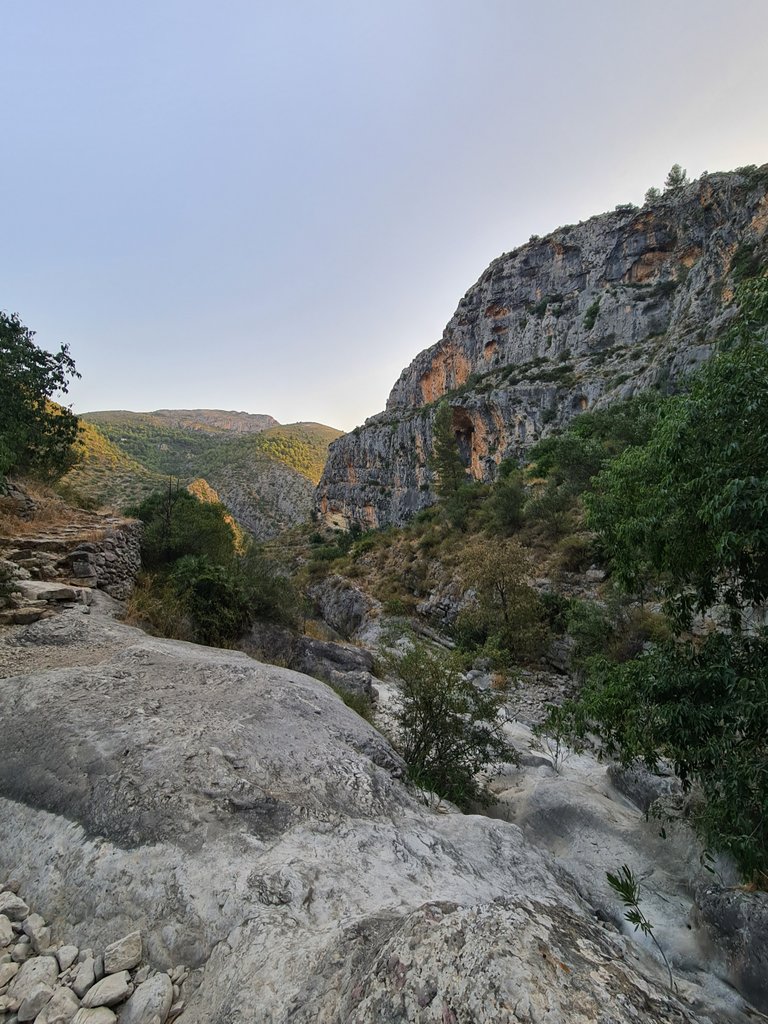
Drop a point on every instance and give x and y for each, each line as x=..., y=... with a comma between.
x=463, y=429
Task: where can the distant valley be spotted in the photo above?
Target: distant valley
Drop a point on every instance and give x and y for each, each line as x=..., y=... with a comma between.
x=263, y=471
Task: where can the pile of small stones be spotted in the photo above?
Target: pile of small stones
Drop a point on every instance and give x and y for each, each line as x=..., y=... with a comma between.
x=50, y=983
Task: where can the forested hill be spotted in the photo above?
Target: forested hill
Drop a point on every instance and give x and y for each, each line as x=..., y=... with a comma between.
x=263, y=471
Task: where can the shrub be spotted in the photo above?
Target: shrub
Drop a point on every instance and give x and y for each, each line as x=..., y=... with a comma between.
x=213, y=598
x=590, y=628
x=508, y=619
x=177, y=524
x=590, y=317
x=449, y=731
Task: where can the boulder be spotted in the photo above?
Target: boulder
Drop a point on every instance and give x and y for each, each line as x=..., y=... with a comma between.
x=38, y=970
x=737, y=921
x=97, y=1015
x=123, y=954
x=151, y=999
x=642, y=786
x=60, y=1009
x=36, y=998
x=109, y=991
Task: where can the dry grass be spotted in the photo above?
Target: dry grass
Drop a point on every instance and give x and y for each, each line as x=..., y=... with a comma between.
x=51, y=514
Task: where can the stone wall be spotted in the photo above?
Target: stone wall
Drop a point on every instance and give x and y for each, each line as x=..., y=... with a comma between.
x=111, y=563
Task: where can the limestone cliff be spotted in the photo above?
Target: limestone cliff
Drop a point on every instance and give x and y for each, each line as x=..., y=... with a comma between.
x=593, y=312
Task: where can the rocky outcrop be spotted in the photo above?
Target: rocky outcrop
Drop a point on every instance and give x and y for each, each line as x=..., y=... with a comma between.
x=738, y=924
x=252, y=828
x=343, y=666
x=270, y=498
x=345, y=607
x=593, y=312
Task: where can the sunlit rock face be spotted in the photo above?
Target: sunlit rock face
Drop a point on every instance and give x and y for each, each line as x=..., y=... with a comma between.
x=592, y=313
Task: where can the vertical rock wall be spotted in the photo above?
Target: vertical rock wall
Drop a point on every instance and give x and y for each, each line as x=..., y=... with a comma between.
x=592, y=313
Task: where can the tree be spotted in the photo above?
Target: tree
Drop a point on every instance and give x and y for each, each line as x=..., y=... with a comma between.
x=177, y=524
x=676, y=179
x=446, y=460
x=508, y=617
x=449, y=730
x=36, y=435
x=652, y=195
x=690, y=508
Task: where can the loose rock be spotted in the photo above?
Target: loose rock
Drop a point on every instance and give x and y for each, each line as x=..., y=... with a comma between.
x=13, y=907
x=61, y=1008
x=151, y=999
x=123, y=954
x=109, y=991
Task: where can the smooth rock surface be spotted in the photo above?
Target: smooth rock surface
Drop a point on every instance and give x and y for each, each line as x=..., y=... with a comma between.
x=249, y=824
x=98, y=1015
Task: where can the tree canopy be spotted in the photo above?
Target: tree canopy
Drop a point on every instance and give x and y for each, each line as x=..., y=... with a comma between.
x=36, y=435
x=690, y=507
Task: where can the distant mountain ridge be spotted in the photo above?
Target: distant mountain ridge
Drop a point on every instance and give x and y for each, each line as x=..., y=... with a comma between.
x=264, y=472
x=212, y=420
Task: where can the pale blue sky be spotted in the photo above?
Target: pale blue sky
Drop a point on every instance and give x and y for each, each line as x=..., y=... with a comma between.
x=273, y=206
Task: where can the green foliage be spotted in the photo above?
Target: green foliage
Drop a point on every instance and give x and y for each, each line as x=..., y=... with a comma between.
x=590, y=628
x=446, y=463
x=36, y=435
x=503, y=509
x=704, y=706
x=177, y=524
x=626, y=887
x=213, y=597
x=507, y=622
x=691, y=506
x=449, y=730
x=358, y=702
x=150, y=444
x=688, y=509
x=747, y=262
x=676, y=179
x=652, y=195
x=590, y=317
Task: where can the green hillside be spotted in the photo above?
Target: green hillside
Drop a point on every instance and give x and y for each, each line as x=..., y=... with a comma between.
x=302, y=447
x=106, y=475
x=258, y=472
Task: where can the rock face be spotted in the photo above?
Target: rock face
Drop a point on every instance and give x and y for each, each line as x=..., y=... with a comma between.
x=591, y=313
x=250, y=826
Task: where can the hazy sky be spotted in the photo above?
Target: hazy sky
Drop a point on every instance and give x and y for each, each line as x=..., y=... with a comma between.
x=273, y=206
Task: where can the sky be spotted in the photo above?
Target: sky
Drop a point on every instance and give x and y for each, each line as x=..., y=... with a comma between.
x=274, y=206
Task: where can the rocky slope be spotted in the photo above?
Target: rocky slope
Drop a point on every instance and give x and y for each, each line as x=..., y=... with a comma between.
x=593, y=312
x=255, y=830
